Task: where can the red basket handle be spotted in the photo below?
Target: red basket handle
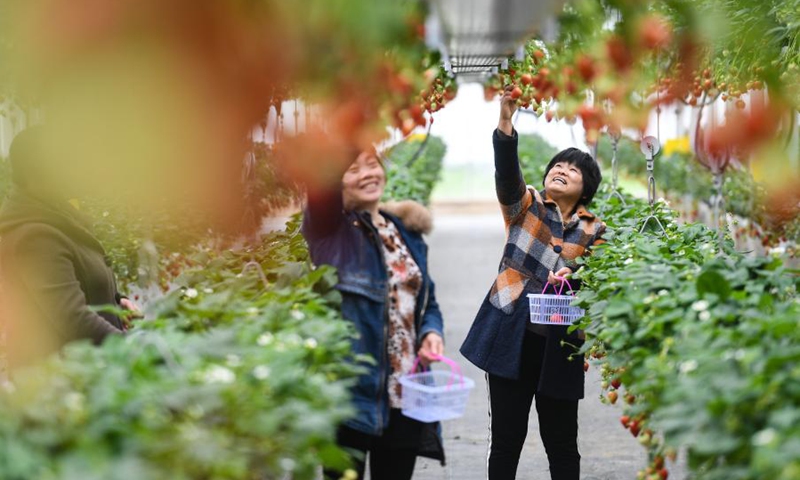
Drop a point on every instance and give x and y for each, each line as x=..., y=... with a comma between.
x=561, y=288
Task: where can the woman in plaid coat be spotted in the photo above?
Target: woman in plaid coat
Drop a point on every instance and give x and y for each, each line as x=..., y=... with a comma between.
x=547, y=231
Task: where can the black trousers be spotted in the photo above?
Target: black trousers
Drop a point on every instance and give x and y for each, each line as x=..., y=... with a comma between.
x=510, y=402
x=392, y=456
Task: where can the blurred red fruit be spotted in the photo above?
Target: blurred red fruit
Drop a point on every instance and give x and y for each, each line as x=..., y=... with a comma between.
x=586, y=68
x=654, y=32
x=619, y=53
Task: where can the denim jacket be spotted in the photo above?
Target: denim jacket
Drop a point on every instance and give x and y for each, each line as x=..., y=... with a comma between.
x=349, y=241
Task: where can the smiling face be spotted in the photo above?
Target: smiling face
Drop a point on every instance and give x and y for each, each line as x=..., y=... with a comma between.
x=564, y=181
x=363, y=183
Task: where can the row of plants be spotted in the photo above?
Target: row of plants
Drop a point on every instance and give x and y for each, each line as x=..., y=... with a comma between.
x=413, y=168
x=680, y=175
x=699, y=343
x=239, y=372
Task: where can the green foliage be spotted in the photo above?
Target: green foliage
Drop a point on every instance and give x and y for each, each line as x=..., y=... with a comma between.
x=705, y=342
x=242, y=374
x=410, y=178
x=629, y=157
x=534, y=155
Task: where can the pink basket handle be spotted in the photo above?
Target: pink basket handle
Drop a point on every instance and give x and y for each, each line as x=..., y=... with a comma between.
x=455, y=369
x=561, y=288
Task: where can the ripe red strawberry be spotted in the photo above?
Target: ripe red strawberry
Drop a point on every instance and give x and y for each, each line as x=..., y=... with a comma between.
x=548, y=115
x=556, y=318
x=616, y=383
x=625, y=421
x=630, y=399
x=618, y=53
x=571, y=88
x=526, y=79
x=585, y=366
x=663, y=473
x=516, y=93
x=654, y=32
x=586, y=68
x=635, y=428
x=658, y=462
x=590, y=116
x=538, y=55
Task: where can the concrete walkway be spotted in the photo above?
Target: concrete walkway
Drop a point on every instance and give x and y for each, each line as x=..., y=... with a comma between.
x=464, y=253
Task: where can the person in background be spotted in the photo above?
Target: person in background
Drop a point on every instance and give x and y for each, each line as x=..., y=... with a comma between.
x=547, y=231
x=52, y=268
x=387, y=292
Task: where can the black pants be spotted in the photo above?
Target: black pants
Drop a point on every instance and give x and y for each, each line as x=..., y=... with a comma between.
x=392, y=456
x=510, y=402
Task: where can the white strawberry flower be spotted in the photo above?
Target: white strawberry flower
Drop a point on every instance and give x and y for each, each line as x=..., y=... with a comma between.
x=688, y=366
x=191, y=293
x=261, y=372
x=700, y=305
x=219, y=374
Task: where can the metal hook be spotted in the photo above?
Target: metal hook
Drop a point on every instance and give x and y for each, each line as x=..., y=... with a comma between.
x=650, y=147
x=615, y=136
x=658, y=222
x=259, y=269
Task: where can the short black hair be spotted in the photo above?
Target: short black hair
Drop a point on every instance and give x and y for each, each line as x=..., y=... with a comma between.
x=588, y=167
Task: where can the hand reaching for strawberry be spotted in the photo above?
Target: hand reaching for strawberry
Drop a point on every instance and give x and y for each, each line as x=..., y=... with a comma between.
x=508, y=105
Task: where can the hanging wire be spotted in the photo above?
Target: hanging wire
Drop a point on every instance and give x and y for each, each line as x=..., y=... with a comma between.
x=650, y=147
x=615, y=135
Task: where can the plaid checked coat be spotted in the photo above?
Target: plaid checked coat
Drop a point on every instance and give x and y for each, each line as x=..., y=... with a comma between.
x=537, y=242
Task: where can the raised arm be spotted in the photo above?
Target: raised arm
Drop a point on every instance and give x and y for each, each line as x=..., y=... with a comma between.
x=324, y=213
x=512, y=193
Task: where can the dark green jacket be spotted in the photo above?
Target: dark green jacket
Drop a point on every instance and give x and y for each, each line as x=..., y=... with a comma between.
x=52, y=270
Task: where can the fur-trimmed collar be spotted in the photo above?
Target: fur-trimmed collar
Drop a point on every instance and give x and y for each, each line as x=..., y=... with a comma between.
x=415, y=216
